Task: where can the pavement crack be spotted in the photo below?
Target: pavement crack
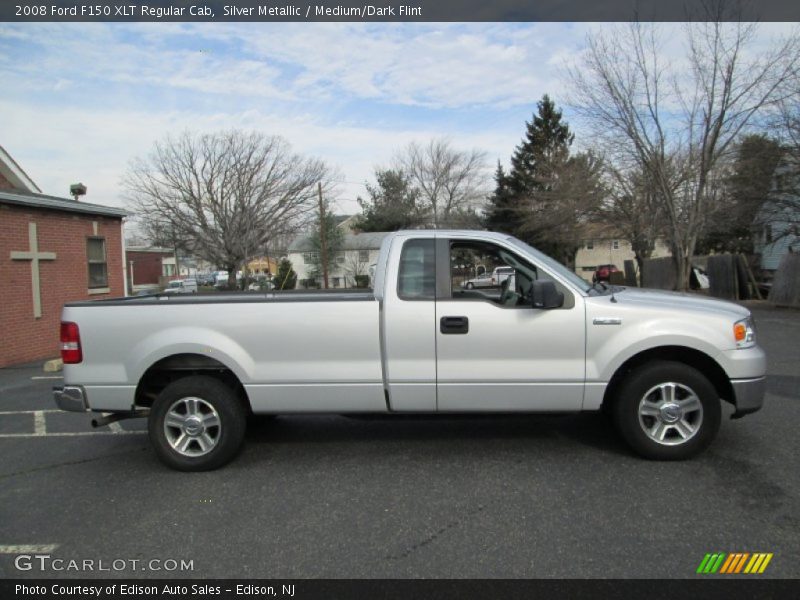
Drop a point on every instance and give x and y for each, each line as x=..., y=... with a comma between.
x=435, y=535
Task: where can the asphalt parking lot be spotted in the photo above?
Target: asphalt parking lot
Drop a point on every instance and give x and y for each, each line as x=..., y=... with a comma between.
x=516, y=497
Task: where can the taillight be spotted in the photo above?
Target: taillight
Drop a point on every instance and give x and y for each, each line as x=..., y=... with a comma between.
x=70, y=343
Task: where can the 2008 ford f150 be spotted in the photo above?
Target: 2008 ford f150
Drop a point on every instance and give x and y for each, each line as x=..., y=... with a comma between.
x=544, y=341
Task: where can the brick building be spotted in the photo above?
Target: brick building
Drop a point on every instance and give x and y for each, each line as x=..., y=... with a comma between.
x=149, y=267
x=52, y=250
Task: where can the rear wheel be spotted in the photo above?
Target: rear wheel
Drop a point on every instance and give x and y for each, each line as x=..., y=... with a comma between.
x=197, y=424
x=667, y=411
x=470, y=285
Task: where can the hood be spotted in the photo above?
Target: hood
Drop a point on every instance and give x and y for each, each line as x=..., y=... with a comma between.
x=679, y=301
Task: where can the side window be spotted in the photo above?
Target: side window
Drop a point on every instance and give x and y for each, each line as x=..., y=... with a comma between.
x=417, y=274
x=481, y=271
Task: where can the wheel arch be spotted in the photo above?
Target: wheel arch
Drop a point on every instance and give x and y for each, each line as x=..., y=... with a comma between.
x=691, y=357
x=178, y=366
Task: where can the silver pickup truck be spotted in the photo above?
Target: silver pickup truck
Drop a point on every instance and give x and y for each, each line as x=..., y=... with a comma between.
x=545, y=341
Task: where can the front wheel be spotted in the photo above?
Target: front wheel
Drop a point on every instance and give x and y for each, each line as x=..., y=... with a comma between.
x=197, y=424
x=470, y=285
x=667, y=411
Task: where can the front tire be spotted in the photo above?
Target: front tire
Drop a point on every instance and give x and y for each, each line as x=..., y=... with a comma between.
x=667, y=411
x=470, y=285
x=197, y=424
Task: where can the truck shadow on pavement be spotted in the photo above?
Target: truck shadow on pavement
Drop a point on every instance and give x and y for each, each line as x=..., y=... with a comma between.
x=540, y=432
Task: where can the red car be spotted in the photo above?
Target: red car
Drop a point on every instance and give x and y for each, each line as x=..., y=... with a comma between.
x=603, y=273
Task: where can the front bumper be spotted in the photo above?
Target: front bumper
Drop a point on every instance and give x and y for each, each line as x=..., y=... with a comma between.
x=748, y=395
x=71, y=398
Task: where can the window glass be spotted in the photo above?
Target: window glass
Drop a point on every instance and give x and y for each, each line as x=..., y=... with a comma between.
x=487, y=272
x=508, y=279
x=417, y=273
x=98, y=270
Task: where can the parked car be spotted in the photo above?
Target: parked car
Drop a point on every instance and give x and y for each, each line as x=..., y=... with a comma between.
x=603, y=272
x=206, y=279
x=493, y=279
x=660, y=364
x=181, y=286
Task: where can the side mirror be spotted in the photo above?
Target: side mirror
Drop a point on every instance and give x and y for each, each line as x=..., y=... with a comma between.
x=545, y=295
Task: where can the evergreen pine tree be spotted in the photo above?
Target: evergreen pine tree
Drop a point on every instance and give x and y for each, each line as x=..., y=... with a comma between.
x=500, y=215
x=544, y=148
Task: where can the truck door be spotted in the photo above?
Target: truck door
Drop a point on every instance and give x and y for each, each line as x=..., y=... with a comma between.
x=494, y=351
x=408, y=316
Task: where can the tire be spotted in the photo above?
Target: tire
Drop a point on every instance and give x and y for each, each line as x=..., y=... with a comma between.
x=470, y=285
x=197, y=424
x=667, y=411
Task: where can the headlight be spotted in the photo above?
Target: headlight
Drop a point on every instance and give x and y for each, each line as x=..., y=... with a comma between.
x=744, y=332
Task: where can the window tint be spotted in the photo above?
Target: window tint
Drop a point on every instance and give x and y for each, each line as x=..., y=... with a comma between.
x=417, y=274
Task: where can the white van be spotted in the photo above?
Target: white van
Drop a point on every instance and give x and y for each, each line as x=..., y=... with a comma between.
x=182, y=286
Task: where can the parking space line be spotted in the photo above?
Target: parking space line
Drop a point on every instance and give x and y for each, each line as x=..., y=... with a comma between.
x=29, y=412
x=39, y=425
x=35, y=377
x=28, y=548
x=69, y=434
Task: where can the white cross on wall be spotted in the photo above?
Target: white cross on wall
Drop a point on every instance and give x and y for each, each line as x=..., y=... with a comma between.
x=34, y=256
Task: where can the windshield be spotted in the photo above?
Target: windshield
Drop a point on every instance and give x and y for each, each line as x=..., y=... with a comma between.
x=552, y=265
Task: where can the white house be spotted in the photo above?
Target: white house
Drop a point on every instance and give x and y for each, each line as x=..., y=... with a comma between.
x=359, y=251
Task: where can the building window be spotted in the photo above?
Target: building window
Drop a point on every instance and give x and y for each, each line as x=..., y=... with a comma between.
x=337, y=282
x=363, y=256
x=168, y=270
x=615, y=244
x=98, y=269
x=309, y=258
x=339, y=258
x=590, y=245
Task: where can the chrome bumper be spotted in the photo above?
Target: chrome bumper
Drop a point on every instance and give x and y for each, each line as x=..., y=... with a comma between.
x=748, y=395
x=71, y=398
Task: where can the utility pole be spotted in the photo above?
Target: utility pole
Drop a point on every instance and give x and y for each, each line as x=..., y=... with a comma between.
x=323, y=244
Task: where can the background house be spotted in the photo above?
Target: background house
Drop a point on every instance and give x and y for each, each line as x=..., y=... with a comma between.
x=777, y=223
x=52, y=250
x=358, y=252
x=608, y=249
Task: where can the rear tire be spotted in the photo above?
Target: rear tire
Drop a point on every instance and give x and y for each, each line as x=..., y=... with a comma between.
x=470, y=285
x=667, y=411
x=197, y=424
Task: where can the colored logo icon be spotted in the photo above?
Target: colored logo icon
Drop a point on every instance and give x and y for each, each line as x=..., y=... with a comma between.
x=735, y=563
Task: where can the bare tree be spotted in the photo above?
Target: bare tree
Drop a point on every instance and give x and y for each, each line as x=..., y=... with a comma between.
x=451, y=183
x=224, y=194
x=631, y=210
x=356, y=266
x=675, y=124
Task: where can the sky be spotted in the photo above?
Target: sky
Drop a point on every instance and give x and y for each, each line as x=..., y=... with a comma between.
x=79, y=101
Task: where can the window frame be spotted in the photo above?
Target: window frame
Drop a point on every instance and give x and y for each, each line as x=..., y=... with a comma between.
x=90, y=261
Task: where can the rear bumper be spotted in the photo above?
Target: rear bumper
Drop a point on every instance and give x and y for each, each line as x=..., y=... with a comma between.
x=748, y=395
x=71, y=398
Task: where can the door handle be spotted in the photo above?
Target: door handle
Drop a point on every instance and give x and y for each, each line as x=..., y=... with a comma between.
x=454, y=325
